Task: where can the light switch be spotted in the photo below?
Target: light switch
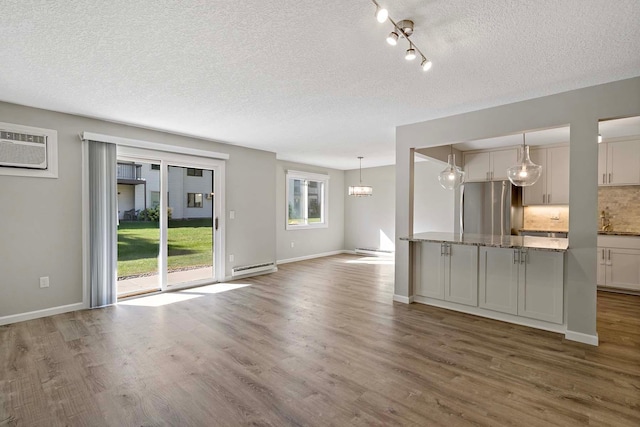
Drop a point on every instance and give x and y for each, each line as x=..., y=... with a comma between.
x=232, y=214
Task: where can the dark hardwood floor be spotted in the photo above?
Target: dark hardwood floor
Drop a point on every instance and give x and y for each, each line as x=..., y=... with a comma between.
x=320, y=342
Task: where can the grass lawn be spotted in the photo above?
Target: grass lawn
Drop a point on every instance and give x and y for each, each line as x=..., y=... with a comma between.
x=190, y=245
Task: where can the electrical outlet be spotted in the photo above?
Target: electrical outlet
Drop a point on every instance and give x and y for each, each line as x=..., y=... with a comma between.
x=293, y=244
x=231, y=258
x=232, y=214
x=555, y=216
x=44, y=282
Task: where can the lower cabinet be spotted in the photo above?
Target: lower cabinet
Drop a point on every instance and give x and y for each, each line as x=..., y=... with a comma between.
x=449, y=272
x=522, y=282
x=619, y=268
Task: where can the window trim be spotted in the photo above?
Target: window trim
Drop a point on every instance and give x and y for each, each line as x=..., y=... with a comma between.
x=307, y=176
x=195, y=196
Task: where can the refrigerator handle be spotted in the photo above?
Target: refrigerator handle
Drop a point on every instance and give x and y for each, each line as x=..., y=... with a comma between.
x=502, y=206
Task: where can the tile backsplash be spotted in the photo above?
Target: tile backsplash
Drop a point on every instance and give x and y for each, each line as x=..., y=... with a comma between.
x=623, y=206
x=540, y=218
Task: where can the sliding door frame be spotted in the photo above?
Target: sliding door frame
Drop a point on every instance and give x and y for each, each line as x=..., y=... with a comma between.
x=166, y=159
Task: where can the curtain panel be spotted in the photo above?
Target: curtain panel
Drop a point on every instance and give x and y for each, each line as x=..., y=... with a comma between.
x=103, y=227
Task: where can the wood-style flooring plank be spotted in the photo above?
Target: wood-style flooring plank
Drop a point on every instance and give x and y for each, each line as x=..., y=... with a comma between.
x=320, y=342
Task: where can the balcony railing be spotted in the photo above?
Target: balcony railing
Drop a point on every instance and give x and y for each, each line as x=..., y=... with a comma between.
x=130, y=172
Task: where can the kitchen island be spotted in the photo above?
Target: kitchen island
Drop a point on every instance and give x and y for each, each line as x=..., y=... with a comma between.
x=517, y=279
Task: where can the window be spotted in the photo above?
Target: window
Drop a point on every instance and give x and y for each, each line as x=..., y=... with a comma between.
x=194, y=172
x=155, y=167
x=155, y=199
x=306, y=200
x=194, y=200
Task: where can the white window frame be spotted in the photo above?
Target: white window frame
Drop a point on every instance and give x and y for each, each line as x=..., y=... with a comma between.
x=308, y=176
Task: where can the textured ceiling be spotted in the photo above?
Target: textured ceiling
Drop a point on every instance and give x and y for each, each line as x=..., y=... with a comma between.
x=313, y=81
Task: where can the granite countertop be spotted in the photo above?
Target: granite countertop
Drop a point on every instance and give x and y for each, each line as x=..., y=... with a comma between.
x=537, y=243
x=619, y=233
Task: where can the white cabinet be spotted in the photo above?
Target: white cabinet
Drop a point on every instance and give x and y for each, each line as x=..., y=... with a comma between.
x=528, y=283
x=619, y=268
x=498, y=280
x=619, y=163
x=553, y=185
x=541, y=285
x=449, y=272
x=489, y=165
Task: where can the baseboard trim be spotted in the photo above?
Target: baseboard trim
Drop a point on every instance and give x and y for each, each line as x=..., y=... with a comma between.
x=403, y=299
x=246, y=276
x=306, y=257
x=583, y=338
x=21, y=317
x=495, y=315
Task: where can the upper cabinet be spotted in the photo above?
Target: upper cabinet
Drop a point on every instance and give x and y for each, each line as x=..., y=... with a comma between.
x=489, y=165
x=619, y=163
x=553, y=186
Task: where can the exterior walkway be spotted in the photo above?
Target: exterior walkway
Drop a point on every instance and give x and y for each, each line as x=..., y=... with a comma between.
x=140, y=284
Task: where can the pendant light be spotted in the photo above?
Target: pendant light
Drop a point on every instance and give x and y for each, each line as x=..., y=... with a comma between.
x=525, y=173
x=360, y=190
x=452, y=176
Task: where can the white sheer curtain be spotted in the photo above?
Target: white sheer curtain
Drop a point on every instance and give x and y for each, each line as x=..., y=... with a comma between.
x=103, y=229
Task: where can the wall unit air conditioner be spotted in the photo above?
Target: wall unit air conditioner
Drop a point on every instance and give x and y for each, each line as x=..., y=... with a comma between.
x=23, y=150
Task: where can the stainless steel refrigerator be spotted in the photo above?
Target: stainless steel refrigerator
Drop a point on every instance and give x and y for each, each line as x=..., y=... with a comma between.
x=493, y=207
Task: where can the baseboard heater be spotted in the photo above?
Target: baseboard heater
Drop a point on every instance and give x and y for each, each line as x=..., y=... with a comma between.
x=373, y=251
x=252, y=269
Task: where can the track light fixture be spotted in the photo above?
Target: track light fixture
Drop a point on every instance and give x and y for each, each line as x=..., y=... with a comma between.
x=381, y=13
x=392, y=38
x=411, y=53
x=404, y=29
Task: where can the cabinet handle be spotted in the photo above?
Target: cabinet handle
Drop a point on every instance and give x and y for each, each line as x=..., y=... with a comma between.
x=523, y=256
x=609, y=255
x=603, y=254
x=516, y=260
x=548, y=199
x=447, y=250
x=441, y=249
x=487, y=176
x=543, y=199
x=609, y=178
x=604, y=178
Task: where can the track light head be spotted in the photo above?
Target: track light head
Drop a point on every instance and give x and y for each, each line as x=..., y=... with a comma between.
x=392, y=38
x=381, y=14
x=411, y=54
x=426, y=64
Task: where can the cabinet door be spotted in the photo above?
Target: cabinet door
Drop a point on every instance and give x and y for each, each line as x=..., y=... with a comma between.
x=461, y=275
x=501, y=161
x=602, y=267
x=477, y=166
x=540, y=285
x=557, y=174
x=498, y=280
x=431, y=283
x=623, y=162
x=602, y=163
x=623, y=268
x=534, y=194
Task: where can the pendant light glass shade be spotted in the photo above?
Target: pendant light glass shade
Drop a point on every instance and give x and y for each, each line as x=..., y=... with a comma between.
x=360, y=190
x=452, y=176
x=525, y=173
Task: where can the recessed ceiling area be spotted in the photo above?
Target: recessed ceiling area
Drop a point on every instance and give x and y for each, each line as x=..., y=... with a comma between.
x=314, y=82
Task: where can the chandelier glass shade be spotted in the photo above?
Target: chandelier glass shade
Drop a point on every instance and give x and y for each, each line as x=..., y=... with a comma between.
x=525, y=173
x=452, y=176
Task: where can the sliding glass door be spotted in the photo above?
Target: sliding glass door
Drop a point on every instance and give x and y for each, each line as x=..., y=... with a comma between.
x=169, y=233
x=190, y=255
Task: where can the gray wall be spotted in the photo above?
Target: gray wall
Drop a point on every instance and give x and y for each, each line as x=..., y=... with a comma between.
x=433, y=206
x=41, y=219
x=370, y=221
x=309, y=242
x=581, y=109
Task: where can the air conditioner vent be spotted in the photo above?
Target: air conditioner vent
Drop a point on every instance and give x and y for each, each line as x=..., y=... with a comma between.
x=23, y=150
